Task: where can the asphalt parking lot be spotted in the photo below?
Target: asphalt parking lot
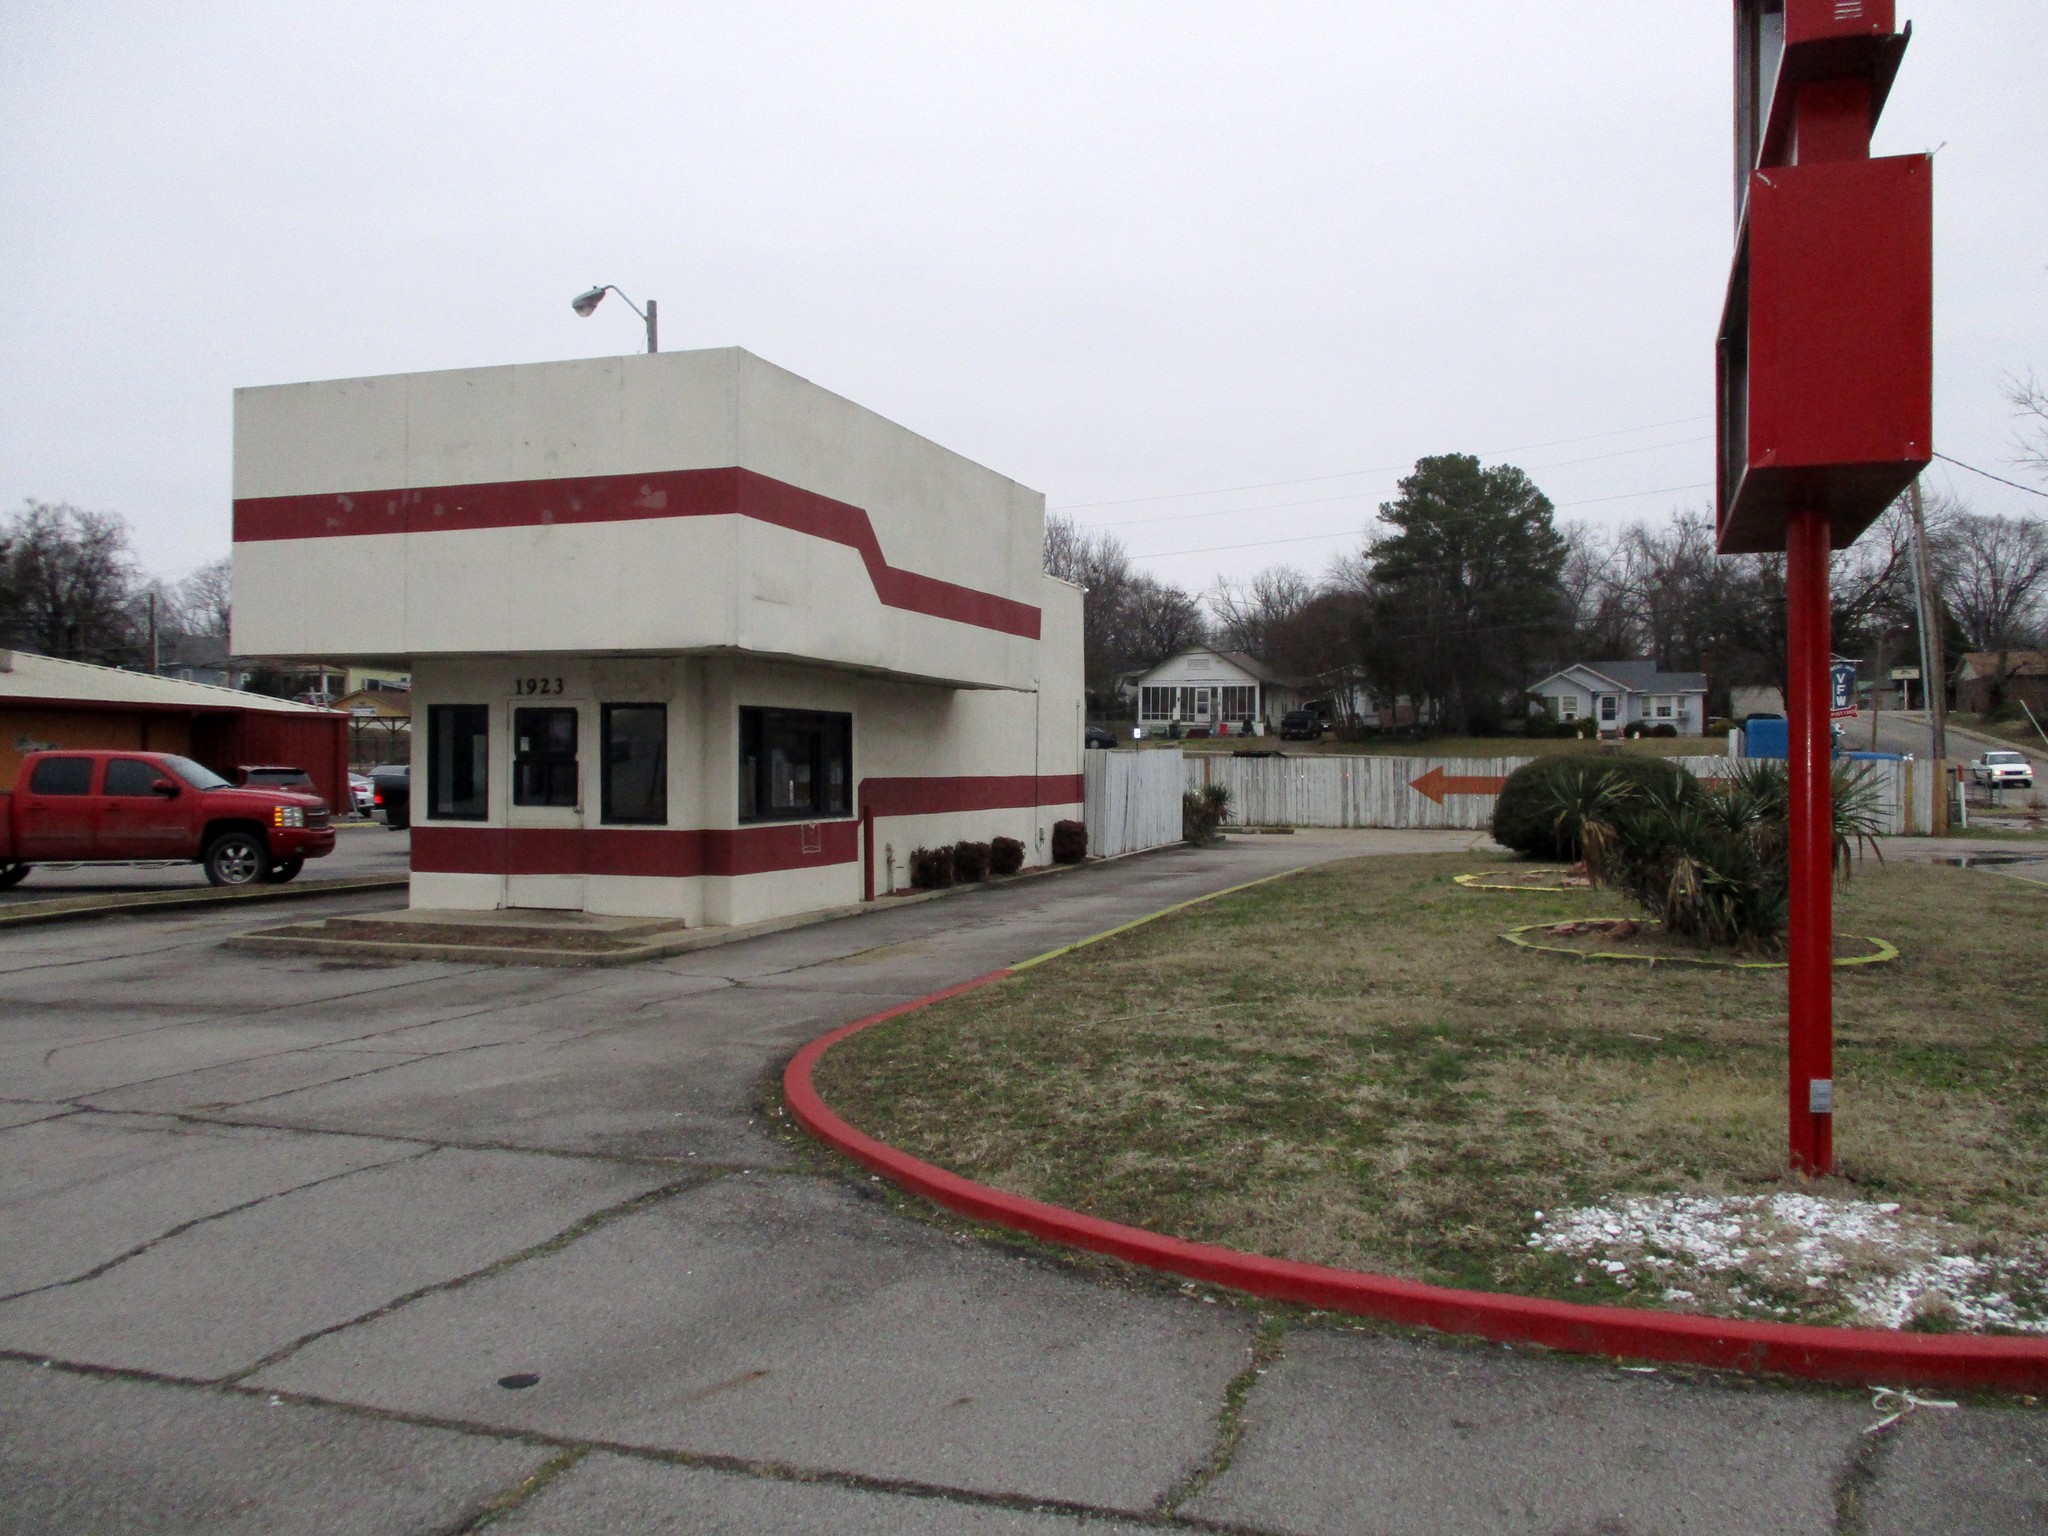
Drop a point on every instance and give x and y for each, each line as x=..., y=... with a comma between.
x=361, y=850
x=298, y=1245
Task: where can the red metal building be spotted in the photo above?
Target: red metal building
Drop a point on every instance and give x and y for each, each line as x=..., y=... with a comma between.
x=45, y=702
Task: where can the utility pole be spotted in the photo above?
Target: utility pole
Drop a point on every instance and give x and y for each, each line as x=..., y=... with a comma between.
x=1933, y=668
x=155, y=670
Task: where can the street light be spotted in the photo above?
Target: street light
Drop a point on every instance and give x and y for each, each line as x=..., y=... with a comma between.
x=586, y=302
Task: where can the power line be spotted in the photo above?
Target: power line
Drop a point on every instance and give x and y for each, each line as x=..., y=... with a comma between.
x=1317, y=501
x=1380, y=469
x=1973, y=469
x=1345, y=533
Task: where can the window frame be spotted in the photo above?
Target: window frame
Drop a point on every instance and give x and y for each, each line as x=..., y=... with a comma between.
x=754, y=721
x=606, y=762
x=442, y=718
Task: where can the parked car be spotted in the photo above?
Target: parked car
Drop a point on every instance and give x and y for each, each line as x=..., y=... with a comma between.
x=1301, y=725
x=275, y=776
x=1096, y=736
x=362, y=793
x=392, y=784
x=116, y=807
x=2003, y=770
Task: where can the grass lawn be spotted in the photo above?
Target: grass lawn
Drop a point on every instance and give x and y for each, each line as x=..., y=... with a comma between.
x=1350, y=1067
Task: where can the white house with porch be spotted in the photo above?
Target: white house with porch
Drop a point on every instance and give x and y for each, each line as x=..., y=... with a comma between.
x=1200, y=689
x=1619, y=694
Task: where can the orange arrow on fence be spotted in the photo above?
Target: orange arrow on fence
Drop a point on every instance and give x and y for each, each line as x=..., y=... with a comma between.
x=1436, y=784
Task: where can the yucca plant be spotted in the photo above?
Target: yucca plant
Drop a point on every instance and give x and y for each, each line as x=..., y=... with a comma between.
x=1202, y=813
x=1579, y=807
x=1713, y=865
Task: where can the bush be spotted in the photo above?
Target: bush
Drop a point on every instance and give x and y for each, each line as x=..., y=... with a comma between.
x=1714, y=867
x=1634, y=730
x=1482, y=725
x=1202, y=812
x=1005, y=856
x=931, y=869
x=970, y=862
x=1069, y=842
x=1541, y=727
x=1544, y=803
x=1663, y=729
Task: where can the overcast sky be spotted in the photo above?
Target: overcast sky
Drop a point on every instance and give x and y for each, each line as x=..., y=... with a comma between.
x=1116, y=251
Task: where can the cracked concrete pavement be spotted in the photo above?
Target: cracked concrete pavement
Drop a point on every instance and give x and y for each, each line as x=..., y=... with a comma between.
x=291, y=1244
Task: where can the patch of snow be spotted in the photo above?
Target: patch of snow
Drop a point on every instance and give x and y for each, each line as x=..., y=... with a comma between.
x=1869, y=1263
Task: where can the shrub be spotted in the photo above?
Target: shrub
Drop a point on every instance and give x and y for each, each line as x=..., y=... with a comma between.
x=931, y=869
x=1540, y=727
x=1543, y=804
x=1005, y=856
x=1663, y=729
x=1634, y=730
x=1069, y=842
x=1714, y=867
x=1482, y=725
x=1202, y=812
x=970, y=862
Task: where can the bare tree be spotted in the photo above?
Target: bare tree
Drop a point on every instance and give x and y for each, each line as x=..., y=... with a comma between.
x=1248, y=612
x=1994, y=577
x=2030, y=405
x=1128, y=618
x=1160, y=619
x=206, y=597
x=1597, y=597
x=70, y=581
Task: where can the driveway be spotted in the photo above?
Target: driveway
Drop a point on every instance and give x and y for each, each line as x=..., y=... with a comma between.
x=291, y=1245
x=361, y=851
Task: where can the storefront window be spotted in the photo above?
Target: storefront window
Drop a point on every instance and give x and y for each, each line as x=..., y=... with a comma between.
x=795, y=765
x=636, y=763
x=544, y=757
x=458, y=758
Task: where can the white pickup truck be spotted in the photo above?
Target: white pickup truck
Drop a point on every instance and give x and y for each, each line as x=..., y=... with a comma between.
x=2003, y=770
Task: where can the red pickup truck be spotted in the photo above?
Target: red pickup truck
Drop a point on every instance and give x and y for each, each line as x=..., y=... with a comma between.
x=83, y=807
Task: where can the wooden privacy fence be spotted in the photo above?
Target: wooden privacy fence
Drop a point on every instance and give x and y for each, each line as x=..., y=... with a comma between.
x=1131, y=800
x=1444, y=791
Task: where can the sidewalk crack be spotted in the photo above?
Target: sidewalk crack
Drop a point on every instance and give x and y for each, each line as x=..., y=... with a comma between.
x=580, y=1228
x=1268, y=1343
x=503, y=1503
x=199, y=1221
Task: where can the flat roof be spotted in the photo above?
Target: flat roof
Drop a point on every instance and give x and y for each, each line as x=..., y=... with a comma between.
x=26, y=678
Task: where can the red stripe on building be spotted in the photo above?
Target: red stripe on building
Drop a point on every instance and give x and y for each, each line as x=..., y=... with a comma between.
x=728, y=492
x=674, y=853
x=656, y=851
x=933, y=797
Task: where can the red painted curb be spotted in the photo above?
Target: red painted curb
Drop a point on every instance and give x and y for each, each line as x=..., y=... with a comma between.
x=1860, y=1356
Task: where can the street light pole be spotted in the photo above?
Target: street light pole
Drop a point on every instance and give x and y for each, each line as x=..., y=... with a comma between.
x=586, y=302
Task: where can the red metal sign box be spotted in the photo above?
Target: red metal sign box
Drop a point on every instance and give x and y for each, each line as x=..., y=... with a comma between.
x=1827, y=348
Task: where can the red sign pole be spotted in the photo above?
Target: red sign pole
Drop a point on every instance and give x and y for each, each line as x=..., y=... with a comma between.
x=1810, y=996
x=1825, y=370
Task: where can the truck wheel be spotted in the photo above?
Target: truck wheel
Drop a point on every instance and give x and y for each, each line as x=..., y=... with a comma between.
x=283, y=870
x=237, y=858
x=12, y=874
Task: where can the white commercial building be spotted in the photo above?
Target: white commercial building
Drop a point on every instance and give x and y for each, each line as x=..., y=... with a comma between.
x=689, y=636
